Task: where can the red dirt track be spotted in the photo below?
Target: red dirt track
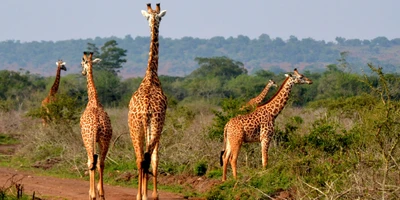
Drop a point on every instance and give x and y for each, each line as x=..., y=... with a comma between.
x=57, y=188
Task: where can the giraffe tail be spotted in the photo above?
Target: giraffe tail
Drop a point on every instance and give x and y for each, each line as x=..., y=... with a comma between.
x=221, y=161
x=146, y=163
x=95, y=156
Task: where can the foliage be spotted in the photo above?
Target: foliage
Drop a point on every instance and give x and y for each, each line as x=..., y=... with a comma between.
x=222, y=67
x=200, y=168
x=111, y=57
x=324, y=137
x=178, y=55
x=383, y=124
x=7, y=139
x=62, y=111
x=230, y=108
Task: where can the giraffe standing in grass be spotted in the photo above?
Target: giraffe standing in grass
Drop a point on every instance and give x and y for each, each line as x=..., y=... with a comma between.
x=53, y=91
x=254, y=102
x=95, y=128
x=147, y=110
x=257, y=126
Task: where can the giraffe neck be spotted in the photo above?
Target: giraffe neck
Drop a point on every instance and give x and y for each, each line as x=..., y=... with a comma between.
x=92, y=93
x=152, y=64
x=262, y=95
x=56, y=83
x=276, y=104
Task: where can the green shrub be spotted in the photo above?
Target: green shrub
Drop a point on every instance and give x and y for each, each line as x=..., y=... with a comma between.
x=64, y=110
x=200, y=168
x=230, y=108
x=214, y=174
x=324, y=137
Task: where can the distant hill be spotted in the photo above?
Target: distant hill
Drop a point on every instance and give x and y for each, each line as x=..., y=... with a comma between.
x=177, y=55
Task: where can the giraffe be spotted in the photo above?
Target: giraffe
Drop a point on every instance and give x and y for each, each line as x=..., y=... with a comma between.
x=95, y=127
x=257, y=126
x=53, y=91
x=253, y=103
x=147, y=109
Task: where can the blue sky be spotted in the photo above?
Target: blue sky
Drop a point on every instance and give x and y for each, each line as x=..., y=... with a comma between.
x=49, y=20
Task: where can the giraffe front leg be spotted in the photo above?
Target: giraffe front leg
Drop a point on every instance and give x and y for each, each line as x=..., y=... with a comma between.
x=265, y=140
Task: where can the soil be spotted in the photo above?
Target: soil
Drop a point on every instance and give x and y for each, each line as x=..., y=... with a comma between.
x=49, y=188
x=46, y=187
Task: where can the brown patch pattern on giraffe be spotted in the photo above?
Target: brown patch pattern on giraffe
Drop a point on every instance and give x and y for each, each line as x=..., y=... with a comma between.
x=257, y=126
x=95, y=128
x=147, y=109
x=50, y=98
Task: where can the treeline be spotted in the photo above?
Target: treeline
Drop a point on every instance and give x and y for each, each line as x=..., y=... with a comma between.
x=216, y=78
x=177, y=55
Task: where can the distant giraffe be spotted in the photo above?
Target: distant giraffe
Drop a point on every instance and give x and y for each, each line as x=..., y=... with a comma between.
x=254, y=102
x=53, y=91
x=147, y=110
x=95, y=127
x=257, y=126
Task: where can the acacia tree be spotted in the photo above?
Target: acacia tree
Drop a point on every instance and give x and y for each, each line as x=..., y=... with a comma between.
x=111, y=55
x=92, y=48
x=222, y=67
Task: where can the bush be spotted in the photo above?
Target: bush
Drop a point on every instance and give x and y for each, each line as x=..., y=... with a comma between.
x=62, y=111
x=200, y=168
x=326, y=138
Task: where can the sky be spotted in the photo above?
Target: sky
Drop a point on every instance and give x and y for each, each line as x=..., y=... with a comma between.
x=50, y=20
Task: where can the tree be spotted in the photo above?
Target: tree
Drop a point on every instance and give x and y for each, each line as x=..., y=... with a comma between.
x=340, y=40
x=381, y=41
x=111, y=56
x=92, y=48
x=222, y=67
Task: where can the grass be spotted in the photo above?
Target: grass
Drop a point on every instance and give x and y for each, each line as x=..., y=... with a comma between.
x=7, y=139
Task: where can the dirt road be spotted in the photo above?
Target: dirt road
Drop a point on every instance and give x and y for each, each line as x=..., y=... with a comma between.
x=56, y=188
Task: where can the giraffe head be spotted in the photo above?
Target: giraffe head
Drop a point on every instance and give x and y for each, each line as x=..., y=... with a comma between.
x=298, y=78
x=61, y=64
x=153, y=16
x=87, y=62
x=271, y=83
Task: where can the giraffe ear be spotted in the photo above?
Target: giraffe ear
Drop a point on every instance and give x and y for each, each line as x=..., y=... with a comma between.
x=57, y=63
x=145, y=14
x=162, y=13
x=64, y=63
x=288, y=75
x=97, y=60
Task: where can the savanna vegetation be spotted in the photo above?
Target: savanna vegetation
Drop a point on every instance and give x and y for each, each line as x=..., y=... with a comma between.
x=336, y=139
